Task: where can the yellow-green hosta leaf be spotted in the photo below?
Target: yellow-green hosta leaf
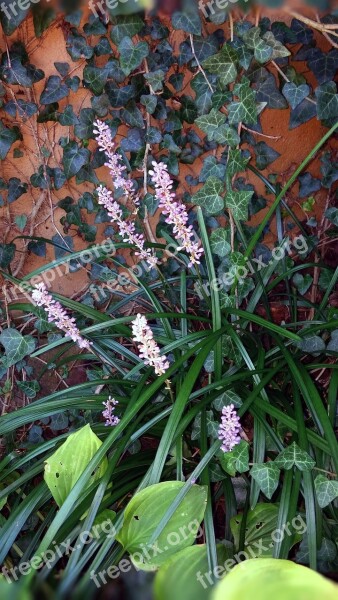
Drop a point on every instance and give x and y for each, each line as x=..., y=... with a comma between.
x=66, y=465
x=268, y=578
x=183, y=575
x=144, y=513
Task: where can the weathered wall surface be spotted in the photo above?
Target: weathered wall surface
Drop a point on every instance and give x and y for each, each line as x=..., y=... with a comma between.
x=40, y=207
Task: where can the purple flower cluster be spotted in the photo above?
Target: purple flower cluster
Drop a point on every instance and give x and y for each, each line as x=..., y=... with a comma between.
x=149, y=351
x=176, y=213
x=111, y=419
x=57, y=315
x=126, y=228
x=229, y=428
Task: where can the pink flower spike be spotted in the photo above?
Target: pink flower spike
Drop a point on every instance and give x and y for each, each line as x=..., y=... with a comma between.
x=229, y=428
x=111, y=419
x=57, y=315
x=176, y=213
x=149, y=350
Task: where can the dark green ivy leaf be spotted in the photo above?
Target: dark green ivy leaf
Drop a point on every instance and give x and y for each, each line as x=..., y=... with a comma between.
x=223, y=64
x=131, y=55
x=327, y=101
x=54, y=90
x=74, y=158
x=295, y=94
x=265, y=155
x=238, y=203
x=209, y=196
x=188, y=21
x=7, y=138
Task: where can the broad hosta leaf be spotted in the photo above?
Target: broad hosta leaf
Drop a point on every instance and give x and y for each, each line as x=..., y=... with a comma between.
x=177, y=578
x=189, y=20
x=238, y=203
x=16, y=346
x=293, y=456
x=54, y=90
x=210, y=123
x=209, y=196
x=261, y=523
x=144, y=513
x=274, y=578
x=267, y=477
x=327, y=101
x=66, y=465
x=74, y=158
x=236, y=461
x=326, y=490
x=295, y=94
x=223, y=64
x=219, y=242
x=131, y=55
x=7, y=138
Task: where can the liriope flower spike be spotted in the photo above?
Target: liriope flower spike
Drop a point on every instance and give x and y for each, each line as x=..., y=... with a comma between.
x=176, y=213
x=57, y=315
x=111, y=419
x=229, y=428
x=149, y=350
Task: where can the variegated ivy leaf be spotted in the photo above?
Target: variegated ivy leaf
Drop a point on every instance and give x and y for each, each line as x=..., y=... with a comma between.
x=244, y=110
x=326, y=490
x=262, y=50
x=293, y=456
x=209, y=198
x=238, y=203
x=327, y=101
x=211, y=123
x=267, y=477
x=230, y=350
x=219, y=242
x=227, y=301
x=223, y=64
x=236, y=461
x=237, y=162
x=278, y=50
x=227, y=398
x=295, y=94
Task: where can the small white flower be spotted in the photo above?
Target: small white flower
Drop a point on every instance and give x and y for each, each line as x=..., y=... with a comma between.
x=149, y=350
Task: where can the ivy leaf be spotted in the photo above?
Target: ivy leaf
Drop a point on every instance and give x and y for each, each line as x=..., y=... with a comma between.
x=74, y=158
x=7, y=252
x=84, y=128
x=268, y=92
x=265, y=155
x=227, y=135
x=7, y=138
x=119, y=96
x=126, y=26
x=295, y=94
x=293, y=456
x=302, y=282
x=236, y=461
x=312, y=344
x=267, y=476
x=209, y=196
x=68, y=117
x=236, y=162
x=77, y=46
x=188, y=21
x=327, y=101
x=308, y=185
x=210, y=123
x=132, y=115
x=302, y=113
x=150, y=102
x=238, y=203
x=262, y=50
x=95, y=78
x=15, y=73
x=155, y=79
x=16, y=346
x=16, y=189
x=323, y=64
x=211, y=168
x=278, y=50
x=223, y=64
x=228, y=397
x=245, y=110
x=131, y=55
x=219, y=242
x=54, y=90
x=326, y=490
